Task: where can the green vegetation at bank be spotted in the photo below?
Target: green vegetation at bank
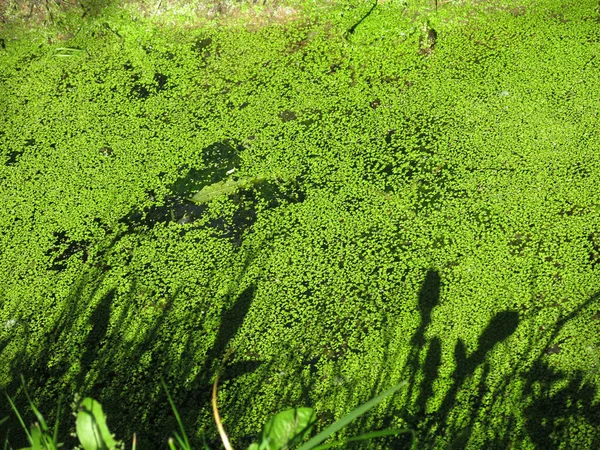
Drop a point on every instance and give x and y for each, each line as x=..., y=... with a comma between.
x=286, y=429
x=350, y=199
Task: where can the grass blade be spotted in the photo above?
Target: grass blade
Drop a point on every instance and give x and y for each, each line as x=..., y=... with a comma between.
x=350, y=417
x=55, y=434
x=187, y=444
x=367, y=436
x=37, y=413
x=20, y=419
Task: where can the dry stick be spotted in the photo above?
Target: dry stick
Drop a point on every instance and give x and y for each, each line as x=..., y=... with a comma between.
x=222, y=433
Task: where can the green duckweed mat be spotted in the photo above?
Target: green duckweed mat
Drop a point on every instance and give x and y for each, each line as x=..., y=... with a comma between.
x=382, y=202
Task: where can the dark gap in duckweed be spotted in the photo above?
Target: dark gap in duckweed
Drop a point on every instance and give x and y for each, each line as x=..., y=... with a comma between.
x=594, y=253
x=13, y=157
x=140, y=91
x=107, y=151
x=201, y=45
x=219, y=159
x=161, y=81
x=63, y=248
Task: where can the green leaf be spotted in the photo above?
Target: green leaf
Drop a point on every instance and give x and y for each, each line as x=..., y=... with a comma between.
x=286, y=428
x=350, y=417
x=36, y=437
x=91, y=427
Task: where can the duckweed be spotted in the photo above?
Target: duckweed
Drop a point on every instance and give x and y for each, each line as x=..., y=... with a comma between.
x=404, y=205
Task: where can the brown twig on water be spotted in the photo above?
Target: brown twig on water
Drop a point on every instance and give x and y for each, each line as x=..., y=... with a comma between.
x=215, y=408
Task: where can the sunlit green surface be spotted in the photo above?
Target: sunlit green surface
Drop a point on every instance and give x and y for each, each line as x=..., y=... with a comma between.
x=424, y=215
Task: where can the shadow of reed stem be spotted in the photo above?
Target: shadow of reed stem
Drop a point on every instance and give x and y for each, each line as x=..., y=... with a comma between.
x=215, y=408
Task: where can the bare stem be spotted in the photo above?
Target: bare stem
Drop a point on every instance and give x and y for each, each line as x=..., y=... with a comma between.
x=215, y=408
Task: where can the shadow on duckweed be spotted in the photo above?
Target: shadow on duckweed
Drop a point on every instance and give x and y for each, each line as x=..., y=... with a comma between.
x=99, y=362
x=219, y=160
x=544, y=414
x=84, y=351
x=104, y=364
x=543, y=418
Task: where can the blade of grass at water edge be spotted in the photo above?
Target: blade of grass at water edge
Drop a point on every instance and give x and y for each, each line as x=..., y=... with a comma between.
x=20, y=418
x=367, y=436
x=350, y=417
x=55, y=434
x=37, y=413
x=187, y=444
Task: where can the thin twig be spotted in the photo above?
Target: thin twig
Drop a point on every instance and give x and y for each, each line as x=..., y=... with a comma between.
x=157, y=7
x=222, y=433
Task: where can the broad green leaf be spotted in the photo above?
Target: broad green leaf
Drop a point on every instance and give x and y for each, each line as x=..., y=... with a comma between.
x=91, y=427
x=286, y=428
x=36, y=437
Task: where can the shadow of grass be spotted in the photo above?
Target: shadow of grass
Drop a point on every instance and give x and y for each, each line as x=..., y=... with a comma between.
x=548, y=401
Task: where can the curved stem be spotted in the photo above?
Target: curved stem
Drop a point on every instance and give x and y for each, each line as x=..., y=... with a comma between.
x=215, y=408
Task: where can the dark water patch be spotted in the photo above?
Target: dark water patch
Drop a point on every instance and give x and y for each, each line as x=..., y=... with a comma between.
x=13, y=158
x=140, y=91
x=333, y=68
x=63, y=248
x=219, y=160
x=106, y=151
x=573, y=210
x=175, y=208
x=388, y=136
x=161, y=81
x=201, y=46
x=223, y=155
x=143, y=91
x=278, y=192
x=206, y=48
